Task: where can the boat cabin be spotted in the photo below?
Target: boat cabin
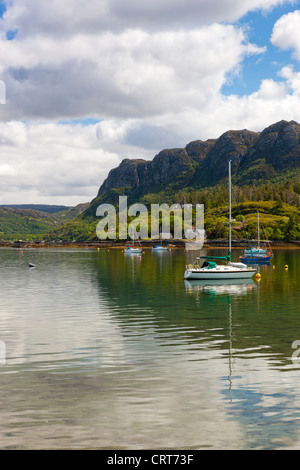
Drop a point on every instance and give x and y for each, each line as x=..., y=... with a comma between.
x=209, y=264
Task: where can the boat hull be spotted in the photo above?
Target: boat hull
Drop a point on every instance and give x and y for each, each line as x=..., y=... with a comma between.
x=210, y=274
x=133, y=251
x=255, y=259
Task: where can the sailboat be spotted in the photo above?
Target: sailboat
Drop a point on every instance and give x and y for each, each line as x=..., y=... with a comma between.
x=132, y=249
x=210, y=269
x=256, y=254
x=160, y=247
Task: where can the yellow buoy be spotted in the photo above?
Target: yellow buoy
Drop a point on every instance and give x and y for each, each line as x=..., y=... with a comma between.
x=258, y=276
x=273, y=266
x=286, y=267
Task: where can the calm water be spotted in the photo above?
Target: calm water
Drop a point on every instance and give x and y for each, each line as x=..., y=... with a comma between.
x=108, y=351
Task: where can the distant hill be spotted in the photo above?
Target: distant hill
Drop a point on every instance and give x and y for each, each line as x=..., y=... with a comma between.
x=23, y=221
x=49, y=209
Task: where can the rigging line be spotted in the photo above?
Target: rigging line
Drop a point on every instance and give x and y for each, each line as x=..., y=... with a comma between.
x=235, y=200
x=266, y=237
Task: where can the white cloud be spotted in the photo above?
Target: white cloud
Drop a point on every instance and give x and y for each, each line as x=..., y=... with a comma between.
x=286, y=33
x=48, y=161
x=38, y=17
x=271, y=103
x=130, y=74
x=292, y=79
x=151, y=72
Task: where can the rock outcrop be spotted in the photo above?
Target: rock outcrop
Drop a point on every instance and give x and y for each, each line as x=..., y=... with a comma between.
x=129, y=174
x=278, y=145
x=255, y=156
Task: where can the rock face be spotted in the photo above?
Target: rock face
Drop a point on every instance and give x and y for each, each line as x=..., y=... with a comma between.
x=200, y=164
x=129, y=174
x=278, y=145
x=198, y=149
x=232, y=145
x=168, y=165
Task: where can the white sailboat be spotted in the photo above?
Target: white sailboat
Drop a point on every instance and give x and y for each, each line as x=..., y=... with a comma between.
x=210, y=269
x=160, y=247
x=132, y=249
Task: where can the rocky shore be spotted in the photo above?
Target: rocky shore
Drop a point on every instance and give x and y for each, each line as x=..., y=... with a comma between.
x=175, y=244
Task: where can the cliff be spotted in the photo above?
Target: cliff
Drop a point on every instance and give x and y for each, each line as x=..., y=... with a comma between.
x=256, y=157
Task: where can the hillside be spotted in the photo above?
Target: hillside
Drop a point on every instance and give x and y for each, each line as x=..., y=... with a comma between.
x=265, y=176
x=272, y=156
x=48, y=208
x=18, y=222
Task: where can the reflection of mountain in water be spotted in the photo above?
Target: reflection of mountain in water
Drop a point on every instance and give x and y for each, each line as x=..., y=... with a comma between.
x=236, y=333
x=151, y=284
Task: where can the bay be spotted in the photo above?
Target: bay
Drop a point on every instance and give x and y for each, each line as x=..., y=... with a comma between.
x=102, y=350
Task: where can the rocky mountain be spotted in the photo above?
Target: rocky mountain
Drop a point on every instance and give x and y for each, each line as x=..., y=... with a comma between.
x=276, y=150
x=256, y=157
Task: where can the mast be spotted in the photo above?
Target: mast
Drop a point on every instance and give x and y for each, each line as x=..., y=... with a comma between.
x=229, y=190
x=258, y=238
x=228, y=257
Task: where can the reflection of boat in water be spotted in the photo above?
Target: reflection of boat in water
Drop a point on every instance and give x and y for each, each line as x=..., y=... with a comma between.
x=237, y=287
x=229, y=289
x=212, y=270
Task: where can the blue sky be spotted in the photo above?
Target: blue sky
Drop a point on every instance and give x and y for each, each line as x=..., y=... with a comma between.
x=255, y=69
x=125, y=79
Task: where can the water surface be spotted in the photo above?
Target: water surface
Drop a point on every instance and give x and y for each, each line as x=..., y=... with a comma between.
x=111, y=351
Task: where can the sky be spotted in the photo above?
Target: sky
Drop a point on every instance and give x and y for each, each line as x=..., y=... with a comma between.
x=84, y=85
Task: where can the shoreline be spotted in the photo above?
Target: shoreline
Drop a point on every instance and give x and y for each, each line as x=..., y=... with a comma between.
x=146, y=244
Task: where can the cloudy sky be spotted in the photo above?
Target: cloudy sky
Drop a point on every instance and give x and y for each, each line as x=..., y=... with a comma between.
x=85, y=84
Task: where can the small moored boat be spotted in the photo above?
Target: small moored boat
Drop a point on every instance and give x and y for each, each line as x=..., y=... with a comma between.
x=213, y=271
x=132, y=250
x=257, y=254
